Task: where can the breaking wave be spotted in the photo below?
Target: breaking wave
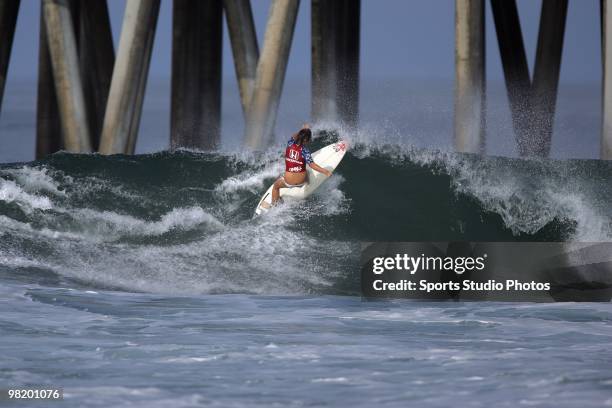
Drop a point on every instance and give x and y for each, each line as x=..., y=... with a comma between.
x=181, y=222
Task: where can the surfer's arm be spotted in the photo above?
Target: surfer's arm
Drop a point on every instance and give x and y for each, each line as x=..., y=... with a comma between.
x=320, y=169
x=308, y=159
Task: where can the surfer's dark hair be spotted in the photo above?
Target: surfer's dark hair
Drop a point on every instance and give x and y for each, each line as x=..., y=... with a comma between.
x=304, y=135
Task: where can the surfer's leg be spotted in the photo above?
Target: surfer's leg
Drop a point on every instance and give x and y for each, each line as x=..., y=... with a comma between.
x=280, y=182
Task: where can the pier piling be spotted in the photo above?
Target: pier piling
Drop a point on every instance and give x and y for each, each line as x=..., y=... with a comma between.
x=124, y=106
x=245, y=49
x=516, y=70
x=323, y=65
x=349, y=16
x=470, y=81
x=196, y=73
x=270, y=74
x=48, y=128
x=97, y=58
x=8, y=19
x=335, y=28
x=68, y=84
x=606, y=132
x=546, y=73
x=532, y=103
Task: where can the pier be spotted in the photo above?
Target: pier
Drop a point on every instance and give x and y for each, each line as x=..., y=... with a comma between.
x=90, y=96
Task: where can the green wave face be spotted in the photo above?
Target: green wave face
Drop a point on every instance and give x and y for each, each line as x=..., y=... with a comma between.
x=182, y=222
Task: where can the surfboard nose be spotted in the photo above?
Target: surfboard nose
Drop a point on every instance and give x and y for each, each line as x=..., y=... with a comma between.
x=341, y=146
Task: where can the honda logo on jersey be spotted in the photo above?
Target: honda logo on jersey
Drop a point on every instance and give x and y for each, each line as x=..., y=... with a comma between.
x=294, y=154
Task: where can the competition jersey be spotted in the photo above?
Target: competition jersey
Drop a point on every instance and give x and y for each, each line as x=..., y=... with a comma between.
x=296, y=157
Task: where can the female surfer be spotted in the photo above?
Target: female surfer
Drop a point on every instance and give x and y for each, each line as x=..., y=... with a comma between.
x=297, y=156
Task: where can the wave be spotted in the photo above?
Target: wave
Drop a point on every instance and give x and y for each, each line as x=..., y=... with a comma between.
x=182, y=221
x=11, y=192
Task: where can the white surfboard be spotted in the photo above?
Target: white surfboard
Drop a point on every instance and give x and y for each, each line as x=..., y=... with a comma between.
x=328, y=157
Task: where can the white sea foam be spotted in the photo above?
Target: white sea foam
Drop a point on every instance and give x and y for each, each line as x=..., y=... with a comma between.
x=30, y=187
x=18, y=261
x=20, y=228
x=11, y=192
x=35, y=179
x=107, y=226
x=330, y=380
x=255, y=256
x=108, y=223
x=329, y=199
x=527, y=203
x=249, y=180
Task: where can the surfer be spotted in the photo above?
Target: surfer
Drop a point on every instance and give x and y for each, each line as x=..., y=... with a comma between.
x=297, y=156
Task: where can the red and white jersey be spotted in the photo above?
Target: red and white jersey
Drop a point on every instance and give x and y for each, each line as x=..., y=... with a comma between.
x=296, y=157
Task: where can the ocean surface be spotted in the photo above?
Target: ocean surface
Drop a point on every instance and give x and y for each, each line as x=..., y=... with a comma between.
x=144, y=281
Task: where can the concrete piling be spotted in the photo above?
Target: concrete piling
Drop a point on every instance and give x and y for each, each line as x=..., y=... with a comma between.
x=532, y=102
x=8, y=19
x=196, y=73
x=349, y=16
x=97, y=57
x=48, y=128
x=142, y=77
x=124, y=106
x=245, y=49
x=470, y=81
x=335, y=28
x=606, y=132
x=68, y=84
x=270, y=74
x=150, y=13
x=516, y=70
x=323, y=62
x=546, y=73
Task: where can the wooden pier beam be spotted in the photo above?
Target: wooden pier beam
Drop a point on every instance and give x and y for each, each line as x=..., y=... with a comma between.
x=546, y=74
x=470, y=77
x=270, y=75
x=245, y=49
x=335, y=28
x=8, y=20
x=516, y=70
x=48, y=127
x=68, y=84
x=606, y=131
x=124, y=106
x=97, y=58
x=197, y=41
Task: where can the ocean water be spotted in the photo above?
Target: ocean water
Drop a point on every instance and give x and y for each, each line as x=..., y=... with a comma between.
x=122, y=349
x=144, y=281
